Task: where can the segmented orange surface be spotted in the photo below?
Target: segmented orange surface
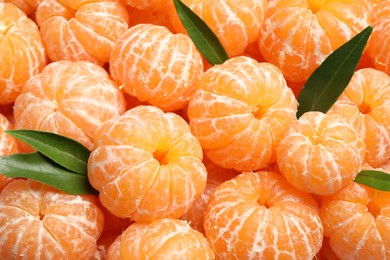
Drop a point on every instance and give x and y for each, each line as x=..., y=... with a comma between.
x=147, y=165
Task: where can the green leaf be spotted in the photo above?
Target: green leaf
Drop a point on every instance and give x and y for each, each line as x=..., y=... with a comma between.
x=375, y=179
x=40, y=168
x=63, y=150
x=203, y=37
x=330, y=79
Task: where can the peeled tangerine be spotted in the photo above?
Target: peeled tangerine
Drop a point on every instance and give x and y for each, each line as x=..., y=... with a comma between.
x=366, y=104
x=69, y=98
x=240, y=112
x=237, y=24
x=22, y=52
x=357, y=222
x=297, y=35
x=156, y=66
x=147, y=165
x=378, y=47
x=320, y=153
x=258, y=215
x=161, y=239
x=81, y=30
x=40, y=222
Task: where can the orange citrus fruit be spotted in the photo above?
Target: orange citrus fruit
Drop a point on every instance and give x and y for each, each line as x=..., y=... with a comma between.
x=258, y=215
x=326, y=252
x=69, y=98
x=236, y=23
x=114, y=251
x=162, y=239
x=297, y=35
x=8, y=146
x=39, y=222
x=320, y=153
x=113, y=227
x=147, y=165
x=240, y=113
x=215, y=176
x=22, y=51
x=150, y=15
x=81, y=30
x=27, y=6
x=156, y=66
x=385, y=166
x=146, y=4
x=378, y=47
x=356, y=220
x=366, y=104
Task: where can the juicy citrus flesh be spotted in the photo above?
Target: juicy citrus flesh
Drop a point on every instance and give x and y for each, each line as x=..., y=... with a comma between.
x=378, y=48
x=22, y=51
x=27, y=6
x=356, y=222
x=365, y=103
x=162, y=70
x=149, y=168
x=81, y=30
x=236, y=24
x=47, y=223
x=240, y=112
x=154, y=172
x=161, y=239
x=69, y=98
x=215, y=176
x=320, y=153
x=258, y=215
x=297, y=35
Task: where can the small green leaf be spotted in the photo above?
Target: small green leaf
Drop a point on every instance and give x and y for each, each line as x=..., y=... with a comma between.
x=330, y=79
x=63, y=150
x=375, y=179
x=40, y=168
x=203, y=37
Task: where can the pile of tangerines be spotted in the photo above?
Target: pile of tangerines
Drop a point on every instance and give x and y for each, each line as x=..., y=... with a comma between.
x=193, y=160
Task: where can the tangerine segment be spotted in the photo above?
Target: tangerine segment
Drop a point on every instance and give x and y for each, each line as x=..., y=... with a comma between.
x=150, y=15
x=378, y=47
x=153, y=5
x=38, y=222
x=69, y=98
x=215, y=176
x=147, y=165
x=22, y=52
x=297, y=35
x=320, y=153
x=8, y=146
x=113, y=227
x=161, y=239
x=114, y=252
x=240, y=113
x=356, y=221
x=27, y=6
x=365, y=103
x=258, y=215
x=81, y=30
x=236, y=23
x=156, y=66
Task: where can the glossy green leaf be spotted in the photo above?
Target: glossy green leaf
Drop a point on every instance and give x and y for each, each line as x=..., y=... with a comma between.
x=375, y=179
x=330, y=79
x=65, y=151
x=40, y=168
x=203, y=37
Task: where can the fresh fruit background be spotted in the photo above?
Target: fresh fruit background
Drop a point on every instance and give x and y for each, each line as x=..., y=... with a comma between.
x=184, y=157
